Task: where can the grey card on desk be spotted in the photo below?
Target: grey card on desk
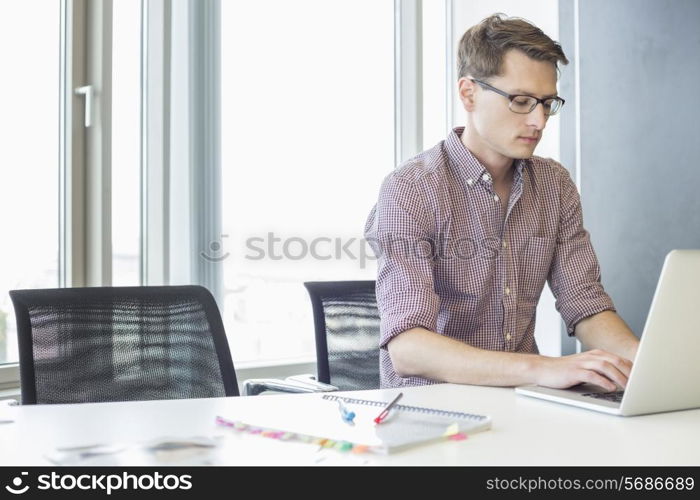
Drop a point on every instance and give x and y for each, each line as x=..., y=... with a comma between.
x=161, y=451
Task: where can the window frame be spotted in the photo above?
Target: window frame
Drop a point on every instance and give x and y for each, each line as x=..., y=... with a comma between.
x=85, y=152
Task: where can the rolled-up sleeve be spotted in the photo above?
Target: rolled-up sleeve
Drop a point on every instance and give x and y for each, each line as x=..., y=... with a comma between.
x=400, y=232
x=574, y=276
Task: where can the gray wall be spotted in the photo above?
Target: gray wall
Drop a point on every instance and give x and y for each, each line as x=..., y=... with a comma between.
x=640, y=147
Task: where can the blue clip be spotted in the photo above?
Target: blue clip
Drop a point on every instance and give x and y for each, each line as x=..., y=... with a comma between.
x=345, y=414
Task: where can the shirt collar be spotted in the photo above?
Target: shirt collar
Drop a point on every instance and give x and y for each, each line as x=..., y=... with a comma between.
x=468, y=165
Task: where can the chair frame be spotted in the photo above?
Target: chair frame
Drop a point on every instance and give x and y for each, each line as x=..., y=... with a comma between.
x=22, y=299
x=317, y=290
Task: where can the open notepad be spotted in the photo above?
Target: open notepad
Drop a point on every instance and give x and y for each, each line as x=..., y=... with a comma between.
x=319, y=418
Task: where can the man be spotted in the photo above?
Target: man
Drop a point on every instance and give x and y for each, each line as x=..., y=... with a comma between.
x=467, y=233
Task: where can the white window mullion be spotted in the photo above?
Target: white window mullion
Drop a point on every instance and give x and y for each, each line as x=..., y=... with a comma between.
x=98, y=151
x=205, y=136
x=155, y=154
x=450, y=65
x=72, y=145
x=408, y=78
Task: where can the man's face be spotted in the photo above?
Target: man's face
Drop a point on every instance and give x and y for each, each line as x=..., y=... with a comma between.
x=498, y=129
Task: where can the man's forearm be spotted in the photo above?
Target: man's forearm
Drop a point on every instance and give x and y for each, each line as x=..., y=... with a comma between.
x=420, y=352
x=607, y=331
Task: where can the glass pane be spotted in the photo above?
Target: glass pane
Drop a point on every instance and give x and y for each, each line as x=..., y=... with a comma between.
x=307, y=136
x=29, y=169
x=126, y=129
x=434, y=34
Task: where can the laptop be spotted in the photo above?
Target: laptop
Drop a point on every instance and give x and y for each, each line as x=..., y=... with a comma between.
x=666, y=371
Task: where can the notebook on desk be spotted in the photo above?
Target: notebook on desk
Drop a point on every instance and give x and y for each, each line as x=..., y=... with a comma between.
x=317, y=420
x=666, y=372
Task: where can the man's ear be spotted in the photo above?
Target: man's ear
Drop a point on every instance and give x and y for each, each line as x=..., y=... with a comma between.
x=467, y=90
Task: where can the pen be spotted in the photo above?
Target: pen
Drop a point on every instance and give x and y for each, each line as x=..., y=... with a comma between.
x=345, y=414
x=385, y=412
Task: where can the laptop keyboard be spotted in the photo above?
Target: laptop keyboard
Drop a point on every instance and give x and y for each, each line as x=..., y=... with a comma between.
x=615, y=397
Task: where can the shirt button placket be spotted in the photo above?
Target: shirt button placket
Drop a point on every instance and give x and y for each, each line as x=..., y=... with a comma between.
x=509, y=306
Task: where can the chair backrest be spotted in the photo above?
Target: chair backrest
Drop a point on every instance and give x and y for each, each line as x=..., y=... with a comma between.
x=79, y=345
x=346, y=323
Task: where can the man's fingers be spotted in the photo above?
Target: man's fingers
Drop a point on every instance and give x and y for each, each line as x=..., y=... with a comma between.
x=597, y=367
x=622, y=364
x=607, y=370
x=594, y=378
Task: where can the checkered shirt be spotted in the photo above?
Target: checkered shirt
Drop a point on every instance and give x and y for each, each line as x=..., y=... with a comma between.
x=452, y=260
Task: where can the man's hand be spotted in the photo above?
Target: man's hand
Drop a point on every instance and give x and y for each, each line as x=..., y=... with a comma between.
x=596, y=367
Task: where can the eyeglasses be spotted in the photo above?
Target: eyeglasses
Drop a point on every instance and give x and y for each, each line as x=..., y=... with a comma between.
x=524, y=104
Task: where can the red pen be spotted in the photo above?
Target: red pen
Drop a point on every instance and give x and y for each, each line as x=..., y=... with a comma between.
x=385, y=411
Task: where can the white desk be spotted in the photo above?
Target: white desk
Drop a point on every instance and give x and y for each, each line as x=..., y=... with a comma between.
x=525, y=431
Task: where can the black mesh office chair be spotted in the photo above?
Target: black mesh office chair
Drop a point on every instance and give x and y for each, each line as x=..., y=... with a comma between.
x=121, y=343
x=346, y=322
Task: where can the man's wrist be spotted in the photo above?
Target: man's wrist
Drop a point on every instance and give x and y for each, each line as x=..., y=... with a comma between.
x=533, y=367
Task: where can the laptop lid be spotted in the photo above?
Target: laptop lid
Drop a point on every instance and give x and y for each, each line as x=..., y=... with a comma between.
x=666, y=371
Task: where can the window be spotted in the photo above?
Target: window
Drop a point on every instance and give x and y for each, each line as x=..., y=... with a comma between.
x=307, y=135
x=126, y=130
x=308, y=126
x=29, y=155
x=435, y=72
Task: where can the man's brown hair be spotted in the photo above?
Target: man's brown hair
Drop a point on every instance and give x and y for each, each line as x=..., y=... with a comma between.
x=482, y=47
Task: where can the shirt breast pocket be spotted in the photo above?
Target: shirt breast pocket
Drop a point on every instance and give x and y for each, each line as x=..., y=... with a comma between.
x=534, y=265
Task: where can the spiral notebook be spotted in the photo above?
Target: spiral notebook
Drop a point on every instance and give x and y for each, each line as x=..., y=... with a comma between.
x=317, y=419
